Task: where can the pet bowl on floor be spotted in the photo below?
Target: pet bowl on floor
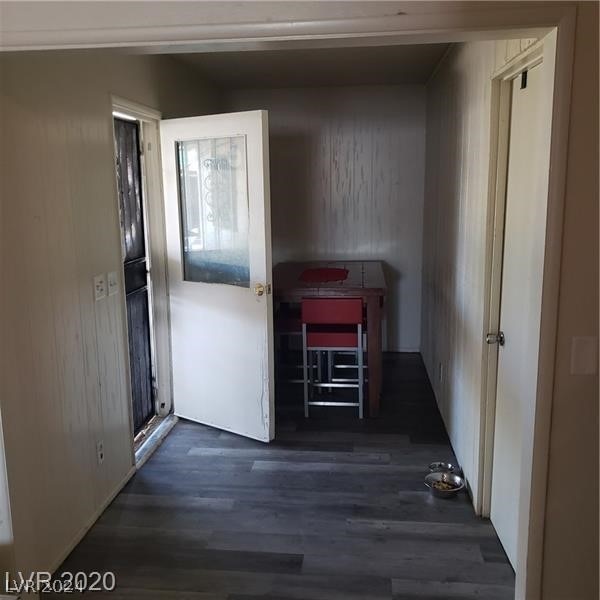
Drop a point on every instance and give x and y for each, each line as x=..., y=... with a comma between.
x=439, y=467
x=444, y=484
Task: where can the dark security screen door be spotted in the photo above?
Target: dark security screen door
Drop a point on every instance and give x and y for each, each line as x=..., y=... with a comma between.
x=135, y=267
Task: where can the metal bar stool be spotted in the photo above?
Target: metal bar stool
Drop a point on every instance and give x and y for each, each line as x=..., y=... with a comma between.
x=330, y=325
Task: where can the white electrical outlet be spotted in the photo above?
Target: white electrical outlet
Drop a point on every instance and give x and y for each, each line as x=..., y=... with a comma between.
x=100, y=452
x=113, y=283
x=99, y=287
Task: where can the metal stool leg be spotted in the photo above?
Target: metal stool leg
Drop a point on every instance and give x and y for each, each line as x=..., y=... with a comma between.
x=305, y=370
x=319, y=371
x=359, y=358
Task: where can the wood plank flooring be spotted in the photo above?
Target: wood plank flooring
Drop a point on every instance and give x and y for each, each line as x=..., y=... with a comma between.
x=333, y=509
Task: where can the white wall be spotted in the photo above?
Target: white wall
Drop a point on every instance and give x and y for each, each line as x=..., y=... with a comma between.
x=454, y=241
x=455, y=220
x=64, y=384
x=570, y=569
x=571, y=526
x=347, y=177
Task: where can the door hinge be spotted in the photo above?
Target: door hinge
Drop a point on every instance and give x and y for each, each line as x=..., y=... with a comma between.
x=523, y=80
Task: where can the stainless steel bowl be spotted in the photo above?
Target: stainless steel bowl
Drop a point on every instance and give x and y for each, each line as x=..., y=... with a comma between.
x=438, y=467
x=457, y=482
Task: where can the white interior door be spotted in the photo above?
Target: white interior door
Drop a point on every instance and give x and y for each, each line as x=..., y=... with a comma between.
x=521, y=294
x=216, y=189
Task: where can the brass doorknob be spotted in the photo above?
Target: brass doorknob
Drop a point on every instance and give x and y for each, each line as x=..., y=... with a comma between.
x=260, y=289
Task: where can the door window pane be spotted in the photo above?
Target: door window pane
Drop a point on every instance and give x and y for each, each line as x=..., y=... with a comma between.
x=213, y=192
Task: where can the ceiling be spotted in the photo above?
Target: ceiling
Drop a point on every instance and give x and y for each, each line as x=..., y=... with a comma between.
x=213, y=26
x=372, y=65
x=48, y=15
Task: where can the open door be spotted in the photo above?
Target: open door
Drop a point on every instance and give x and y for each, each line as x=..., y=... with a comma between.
x=216, y=189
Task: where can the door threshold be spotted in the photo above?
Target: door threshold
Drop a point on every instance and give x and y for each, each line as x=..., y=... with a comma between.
x=142, y=435
x=152, y=437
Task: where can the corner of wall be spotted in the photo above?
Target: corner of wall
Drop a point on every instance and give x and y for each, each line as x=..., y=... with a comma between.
x=454, y=241
x=7, y=557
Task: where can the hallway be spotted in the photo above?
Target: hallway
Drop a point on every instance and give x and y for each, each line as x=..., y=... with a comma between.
x=332, y=509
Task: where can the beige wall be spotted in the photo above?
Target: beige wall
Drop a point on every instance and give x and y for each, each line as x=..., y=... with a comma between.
x=455, y=233
x=347, y=176
x=571, y=550
x=570, y=567
x=456, y=175
x=64, y=385
x=454, y=241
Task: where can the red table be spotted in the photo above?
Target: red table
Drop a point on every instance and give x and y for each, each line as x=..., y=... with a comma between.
x=364, y=280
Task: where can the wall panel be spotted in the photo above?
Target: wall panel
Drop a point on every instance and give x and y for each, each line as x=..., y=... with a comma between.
x=570, y=567
x=454, y=241
x=63, y=372
x=347, y=178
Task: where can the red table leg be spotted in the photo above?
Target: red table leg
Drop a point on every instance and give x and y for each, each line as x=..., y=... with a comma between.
x=374, y=352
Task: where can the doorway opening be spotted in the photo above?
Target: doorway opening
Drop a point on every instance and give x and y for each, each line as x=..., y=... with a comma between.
x=319, y=152
x=136, y=271
x=519, y=166
x=141, y=223
x=158, y=84
x=289, y=149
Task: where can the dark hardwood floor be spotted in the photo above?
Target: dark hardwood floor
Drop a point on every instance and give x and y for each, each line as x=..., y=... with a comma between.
x=333, y=509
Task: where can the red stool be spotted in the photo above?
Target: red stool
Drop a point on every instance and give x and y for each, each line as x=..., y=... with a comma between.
x=332, y=324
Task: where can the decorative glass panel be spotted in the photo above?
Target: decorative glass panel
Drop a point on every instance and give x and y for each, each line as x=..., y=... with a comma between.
x=213, y=191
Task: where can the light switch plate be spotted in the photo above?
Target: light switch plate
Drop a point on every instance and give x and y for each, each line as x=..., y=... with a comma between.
x=113, y=283
x=99, y=287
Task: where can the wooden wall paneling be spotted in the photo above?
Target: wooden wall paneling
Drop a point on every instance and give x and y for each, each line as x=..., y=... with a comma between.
x=84, y=225
x=384, y=195
x=63, y=364
x=64, y=407
x=19, y=372
x=347, y=175
x=47, y=207
x=88, y=139
x=363, y=207
x=455, y=224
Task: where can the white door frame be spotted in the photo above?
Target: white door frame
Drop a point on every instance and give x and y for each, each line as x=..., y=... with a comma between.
x=501, y=101
x=480, y=22
x=154, y=225
x=542, y=51
x=498, y=24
